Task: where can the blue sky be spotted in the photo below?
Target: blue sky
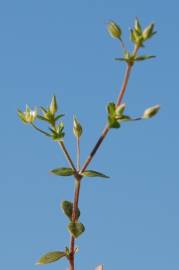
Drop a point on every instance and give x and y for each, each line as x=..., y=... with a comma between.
x=62, y=48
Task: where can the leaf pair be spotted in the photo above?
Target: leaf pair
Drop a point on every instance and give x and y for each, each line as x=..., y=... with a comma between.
x=130, y=58
x=76, y=229
x=67, y=208
x=64, y=171
x=115, y=115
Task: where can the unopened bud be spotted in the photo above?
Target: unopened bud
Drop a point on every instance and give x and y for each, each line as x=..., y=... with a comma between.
x=148, y=31
x=137, y=26
x=114, y=30
x=53, y=106
x=77, y=128
x=120, y=109
x=152, y=111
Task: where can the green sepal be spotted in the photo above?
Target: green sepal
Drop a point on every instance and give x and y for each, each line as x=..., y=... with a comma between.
x=76, y=229
x=67, y=208
x=91, y=173
x=51, y=257
x=63, y=171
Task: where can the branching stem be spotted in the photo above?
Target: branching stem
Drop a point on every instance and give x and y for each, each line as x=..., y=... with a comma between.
x=78, y=176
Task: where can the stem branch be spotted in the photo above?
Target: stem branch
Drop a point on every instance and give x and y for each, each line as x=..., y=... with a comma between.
x=67, y=155
x=78, y=176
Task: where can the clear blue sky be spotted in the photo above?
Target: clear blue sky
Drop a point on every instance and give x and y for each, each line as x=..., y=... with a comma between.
x=62, y=48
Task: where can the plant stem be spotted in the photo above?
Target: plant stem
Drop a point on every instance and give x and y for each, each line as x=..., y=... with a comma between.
x=67, y=155
x=78, y=153
x=106, y=130
x=75, y=206
x=78, y=177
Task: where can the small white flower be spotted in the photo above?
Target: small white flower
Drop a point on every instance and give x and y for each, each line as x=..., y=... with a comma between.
x=28, y=116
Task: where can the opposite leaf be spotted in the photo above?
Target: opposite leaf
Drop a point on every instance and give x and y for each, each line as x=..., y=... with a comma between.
x=63, y=171
x=67, y=207
x=91, y=173
x=51, y=257
x=144, y=57
x=76, y=229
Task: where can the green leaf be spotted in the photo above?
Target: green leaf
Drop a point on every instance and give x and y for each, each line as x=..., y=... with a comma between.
x=111, y=108
x=144, y=57
x=113, y=123
x=59, y=116
x=44, y=110
x=76, y=229
x=21, y=116
x=63, y=171
x=51, y=257
x=42, y=118
x=67, y=207
x=121, y=59
x=91, y=173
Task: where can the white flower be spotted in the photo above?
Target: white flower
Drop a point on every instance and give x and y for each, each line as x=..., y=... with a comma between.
x=28, y=116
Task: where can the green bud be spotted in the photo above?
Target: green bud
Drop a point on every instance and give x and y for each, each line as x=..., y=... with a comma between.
x=150, y=112
x=120, y=109
x=148, y=31
x=114, y=30
x=77, y=128
x=136, y=37
x=53, y=106
x=28, y=116
x=137, y=26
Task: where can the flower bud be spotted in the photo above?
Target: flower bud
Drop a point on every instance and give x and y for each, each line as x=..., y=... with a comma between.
x=53, y=106
x=77, y=128
x=137, y=26
x=148, y=31
x=114, y=30
x=120, y=109
x=150, y=112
